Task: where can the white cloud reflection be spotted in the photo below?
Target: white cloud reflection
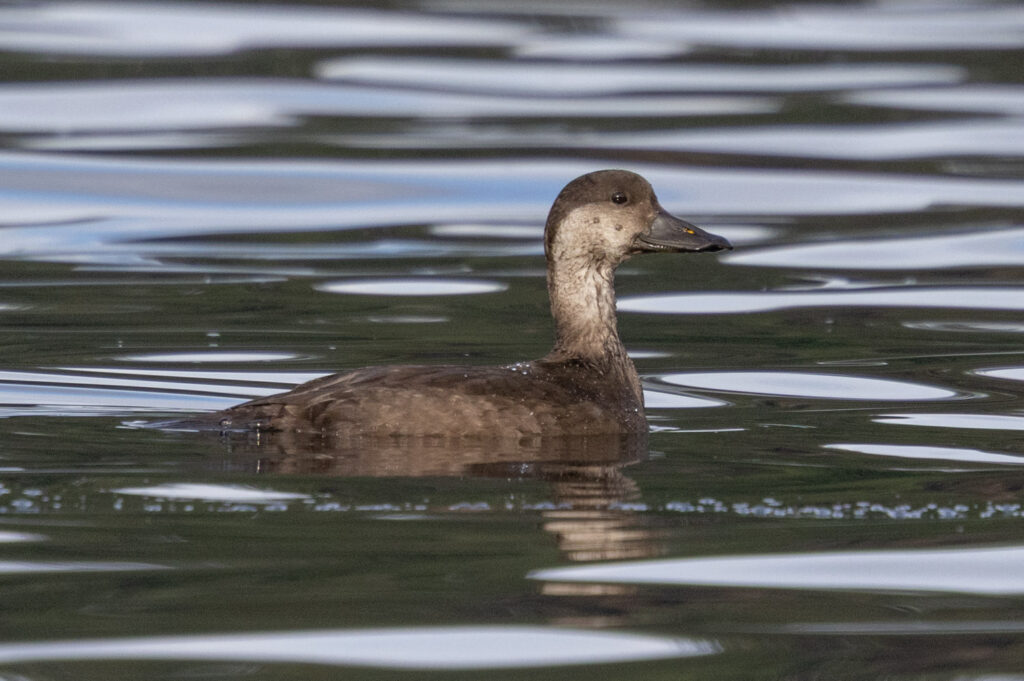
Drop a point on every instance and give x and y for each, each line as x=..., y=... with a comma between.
x=987, y=571
x=486, y=647
x=975, y=249
x=209, y=492
x=180, y=29
x=797, y=384
x=958, y=454
x=975, y=421
x=974, y=298
x=533, y=78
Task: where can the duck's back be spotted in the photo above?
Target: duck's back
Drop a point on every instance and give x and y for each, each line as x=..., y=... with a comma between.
x=514, y=401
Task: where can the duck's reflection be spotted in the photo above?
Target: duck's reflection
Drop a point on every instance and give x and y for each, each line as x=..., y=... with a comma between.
x=589, y=510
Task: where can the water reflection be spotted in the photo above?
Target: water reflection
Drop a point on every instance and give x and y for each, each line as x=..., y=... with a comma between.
x=975, y=421
x=970, y=97
x=1007, y=373
x=12, y=381
x=453, y=648
x=966, y=326
x=434, y=286
x=407, y=456
x=589, y=493
x=596, y=48
x=660, y=399
x=18, y=567
x=547, y=78
x=974, y=249
x=976, y=298
x=837, y=136
x=796, y=384
x=991, y=571
x=75, y=205
x=10, y=537
x=211, y=357
x=209, y=492
x=127, y=112
x=82, y=391
x=959, y=454
x=865, y=142
x=886, y=27
x=178, y=29
x=531, y=233
x=19, y=399
x=224, y=378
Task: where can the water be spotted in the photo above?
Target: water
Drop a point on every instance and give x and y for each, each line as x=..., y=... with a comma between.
x=206, y=202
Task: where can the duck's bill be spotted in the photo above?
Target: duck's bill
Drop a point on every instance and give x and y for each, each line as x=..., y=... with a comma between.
x=669, y=233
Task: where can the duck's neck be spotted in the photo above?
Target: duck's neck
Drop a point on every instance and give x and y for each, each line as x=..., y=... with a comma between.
x=582, y=295
x=583, y=306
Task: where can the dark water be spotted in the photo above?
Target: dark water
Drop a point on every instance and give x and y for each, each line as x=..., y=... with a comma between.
x=204, y=202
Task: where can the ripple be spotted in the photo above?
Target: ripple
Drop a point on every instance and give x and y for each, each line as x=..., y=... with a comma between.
x=246, y=376
x=995, y=139
x=407, y=319
x=68, y=204
x=845, y=511
x=412, y=287
x=976, y=298
x=647, y=354
x=62, y=400
x=200, y=357
x=343, y=249
x=208, y=492
x=14, y=567
x=970, y=97
x=9, y=537
x=967, y=326
x=931, y=453
x=121, y=390
x=141, y=138
x=140, y=106
x=822, y=386
x=863, y=142
x=547, y=79
x=975, y=421
x=597, y=48
x=1007, y=373
x=92, y=381
x=881, y=27
x=987, y=571
x=999, y=247
x=181, y=29
x=525, y=232
x=914, y=628
x=137, y=105
x=483, y=647
x=658, y=399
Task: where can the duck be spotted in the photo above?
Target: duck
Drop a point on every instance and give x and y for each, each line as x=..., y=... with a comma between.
x=586, y=385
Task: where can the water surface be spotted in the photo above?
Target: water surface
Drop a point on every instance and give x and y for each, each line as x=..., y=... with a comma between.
x=207, y=202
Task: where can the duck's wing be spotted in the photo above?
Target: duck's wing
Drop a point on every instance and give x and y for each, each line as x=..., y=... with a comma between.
x=297, y=409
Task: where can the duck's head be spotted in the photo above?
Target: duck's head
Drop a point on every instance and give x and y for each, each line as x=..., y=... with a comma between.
x=610, y=215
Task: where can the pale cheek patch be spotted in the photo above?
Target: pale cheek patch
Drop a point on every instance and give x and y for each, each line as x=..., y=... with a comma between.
x=578, y=233
x=585, y=231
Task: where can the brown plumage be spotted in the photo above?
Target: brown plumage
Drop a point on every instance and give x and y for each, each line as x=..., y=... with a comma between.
x=585, y=385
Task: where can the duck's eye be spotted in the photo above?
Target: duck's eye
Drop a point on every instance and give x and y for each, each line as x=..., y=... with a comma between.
x=619, y=198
